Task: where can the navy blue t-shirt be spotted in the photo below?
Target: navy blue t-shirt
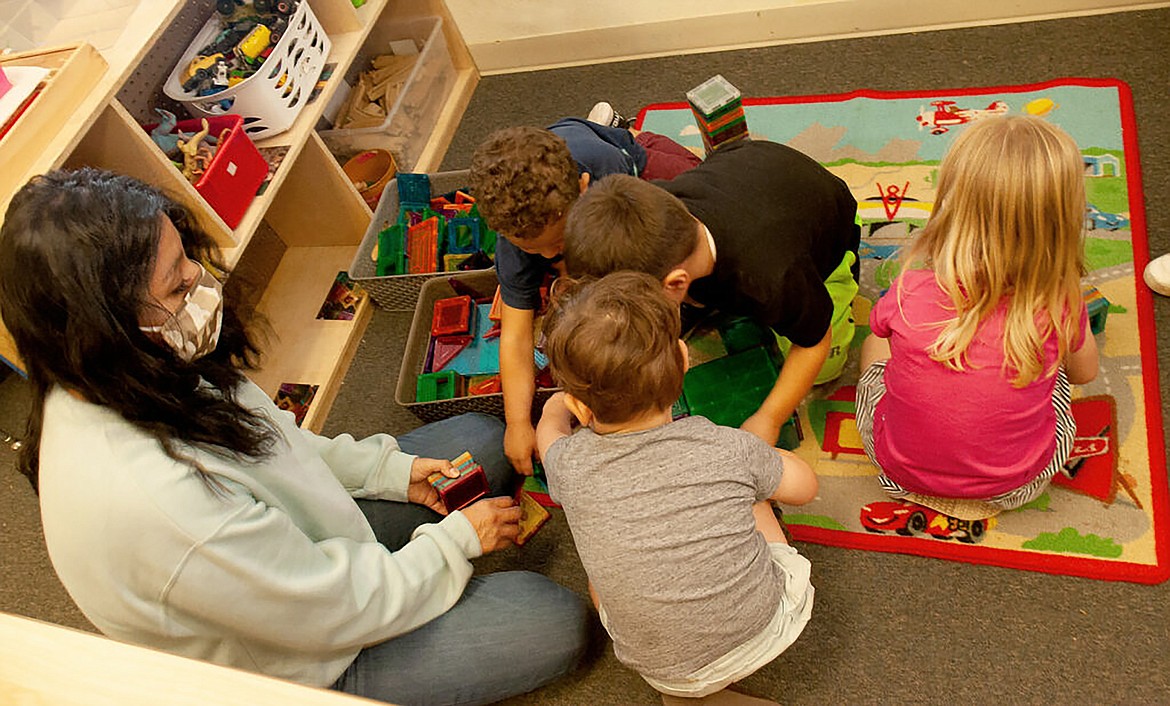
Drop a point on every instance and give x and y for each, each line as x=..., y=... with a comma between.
x=599, y=151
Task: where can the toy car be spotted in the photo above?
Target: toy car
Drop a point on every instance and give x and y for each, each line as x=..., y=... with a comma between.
x=228, y=37
x=253, y=43
x=1096, y=218
x=913, y=520
x=199, y=70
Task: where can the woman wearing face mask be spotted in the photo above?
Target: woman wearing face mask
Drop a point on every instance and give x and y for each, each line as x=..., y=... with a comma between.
x=184, y=512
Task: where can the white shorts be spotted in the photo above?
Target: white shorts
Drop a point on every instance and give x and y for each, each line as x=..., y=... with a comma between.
x=791, y=616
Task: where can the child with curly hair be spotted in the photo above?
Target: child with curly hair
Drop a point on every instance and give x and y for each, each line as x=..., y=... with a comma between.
x=526, y=179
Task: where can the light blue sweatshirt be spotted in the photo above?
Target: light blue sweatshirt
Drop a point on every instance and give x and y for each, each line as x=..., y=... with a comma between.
x=281, y=575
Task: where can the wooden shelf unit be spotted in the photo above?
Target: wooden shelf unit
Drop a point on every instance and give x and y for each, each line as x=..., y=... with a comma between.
x=309, y=221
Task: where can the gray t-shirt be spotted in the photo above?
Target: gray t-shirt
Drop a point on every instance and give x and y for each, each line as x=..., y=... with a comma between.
x=663, y=523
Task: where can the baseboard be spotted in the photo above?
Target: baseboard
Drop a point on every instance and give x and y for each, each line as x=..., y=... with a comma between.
x=502, y=39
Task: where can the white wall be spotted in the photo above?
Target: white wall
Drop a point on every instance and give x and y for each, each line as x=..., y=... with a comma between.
x=516, y=35
x=30, y=24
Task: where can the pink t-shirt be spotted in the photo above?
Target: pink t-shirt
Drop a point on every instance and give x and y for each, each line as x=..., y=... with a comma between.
x=942, y=432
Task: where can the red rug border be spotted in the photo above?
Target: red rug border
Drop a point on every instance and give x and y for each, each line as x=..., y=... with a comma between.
x=889, y=95
x=1160, y=491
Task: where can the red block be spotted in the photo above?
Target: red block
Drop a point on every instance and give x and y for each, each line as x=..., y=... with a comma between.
x=459, y=492
x=236, y=170
x=452, y=317
x=446, y=348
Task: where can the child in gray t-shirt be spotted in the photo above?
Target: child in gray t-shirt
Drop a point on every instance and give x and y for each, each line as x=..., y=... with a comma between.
x=687, y=563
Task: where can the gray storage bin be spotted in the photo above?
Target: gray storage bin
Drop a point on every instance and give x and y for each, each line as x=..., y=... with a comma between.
x=482, y=281
x=397, y=292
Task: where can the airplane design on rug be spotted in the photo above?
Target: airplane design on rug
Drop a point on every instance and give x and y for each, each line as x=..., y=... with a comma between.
x=946, y=115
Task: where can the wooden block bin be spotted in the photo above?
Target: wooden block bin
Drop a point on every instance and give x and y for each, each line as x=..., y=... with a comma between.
x=397, y=292
x=417, y=104
x=484, y=282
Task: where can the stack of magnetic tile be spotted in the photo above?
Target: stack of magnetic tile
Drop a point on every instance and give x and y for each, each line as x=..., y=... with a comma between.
x=459, y=492
x=718, y=110
x=1097, y=305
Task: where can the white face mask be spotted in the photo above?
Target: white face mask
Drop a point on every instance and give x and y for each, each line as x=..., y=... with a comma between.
x=193, y=329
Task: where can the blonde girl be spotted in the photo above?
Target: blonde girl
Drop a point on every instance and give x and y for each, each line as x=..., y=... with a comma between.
x=964, y=392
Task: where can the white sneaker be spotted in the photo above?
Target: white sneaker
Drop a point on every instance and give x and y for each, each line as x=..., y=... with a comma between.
x=604, y=114
x=1157, y=275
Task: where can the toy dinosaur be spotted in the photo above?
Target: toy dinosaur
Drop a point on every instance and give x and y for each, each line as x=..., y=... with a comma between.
x=190, y=150
x=162, y=133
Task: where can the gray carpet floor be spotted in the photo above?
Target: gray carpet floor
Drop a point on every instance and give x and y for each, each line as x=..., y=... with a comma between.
x=886, y=628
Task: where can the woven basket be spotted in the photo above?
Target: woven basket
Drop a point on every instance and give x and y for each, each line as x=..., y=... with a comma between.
x=397, y=292
x=418, y=340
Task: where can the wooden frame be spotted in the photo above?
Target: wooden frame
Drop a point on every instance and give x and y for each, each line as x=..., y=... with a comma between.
x=48, y=664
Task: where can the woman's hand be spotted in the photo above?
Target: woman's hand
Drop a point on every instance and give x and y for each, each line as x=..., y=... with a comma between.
x=496, y=521
x=420, y=491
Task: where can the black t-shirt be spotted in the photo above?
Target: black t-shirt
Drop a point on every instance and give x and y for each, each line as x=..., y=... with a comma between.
x=781, y=224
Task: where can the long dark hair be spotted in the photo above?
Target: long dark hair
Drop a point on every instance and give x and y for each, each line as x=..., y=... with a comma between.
x=76, y=253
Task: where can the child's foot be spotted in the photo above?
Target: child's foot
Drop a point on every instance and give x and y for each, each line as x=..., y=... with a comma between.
x=1157, y=273
x=604, y=114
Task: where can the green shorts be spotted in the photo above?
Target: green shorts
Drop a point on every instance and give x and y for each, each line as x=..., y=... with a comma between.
x=842, y=289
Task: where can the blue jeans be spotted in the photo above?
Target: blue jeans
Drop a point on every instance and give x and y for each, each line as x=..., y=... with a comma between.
x=509, y=633
x=481, y=435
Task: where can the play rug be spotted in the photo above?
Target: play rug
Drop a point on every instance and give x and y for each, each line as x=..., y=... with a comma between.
x=1110, y=521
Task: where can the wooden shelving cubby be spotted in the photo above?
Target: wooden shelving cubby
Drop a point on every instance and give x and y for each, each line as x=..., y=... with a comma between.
x=308, y=222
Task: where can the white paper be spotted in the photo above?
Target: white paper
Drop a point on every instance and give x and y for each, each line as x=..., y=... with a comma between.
x=24, y=81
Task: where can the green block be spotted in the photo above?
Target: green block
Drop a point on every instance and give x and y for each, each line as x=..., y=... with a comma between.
x=716, y=113
x=737, y=125
x=487, y=241
x=790, y=434
x=464, y=236
x=680, y=409
x=740, y=334
x=1097, y=322
x=1098, y=307
x=442, y=385
x=729, y=390
x=391, y=250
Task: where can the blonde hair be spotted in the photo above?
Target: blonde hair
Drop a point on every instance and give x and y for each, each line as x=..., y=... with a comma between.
x=1007, y=222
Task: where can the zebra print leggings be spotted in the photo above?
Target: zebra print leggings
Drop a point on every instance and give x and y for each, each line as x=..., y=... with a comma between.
x=871, y=387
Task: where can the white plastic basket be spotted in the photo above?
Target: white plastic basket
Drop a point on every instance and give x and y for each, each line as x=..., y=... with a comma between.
x=270, y=99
